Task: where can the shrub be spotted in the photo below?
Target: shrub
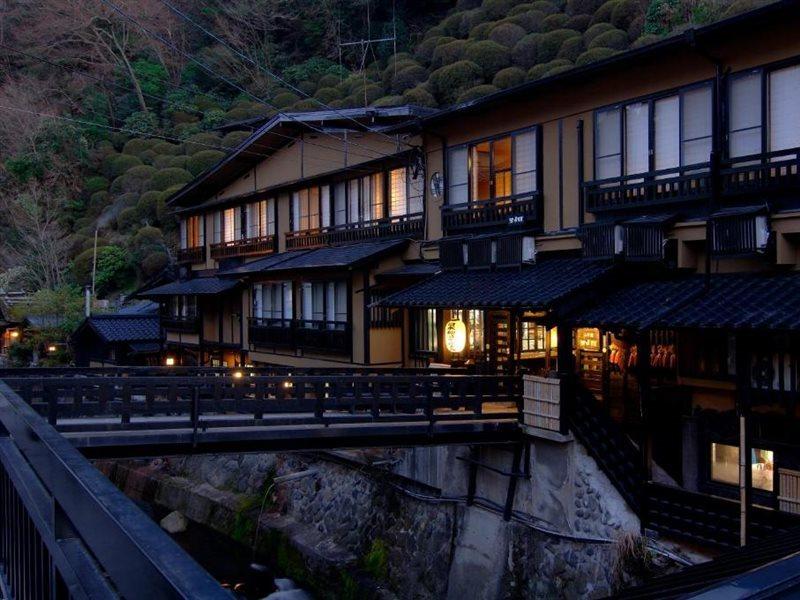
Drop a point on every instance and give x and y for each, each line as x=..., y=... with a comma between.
x=624, y=13
x=113, y=268
x=114, y=166
x=647, y=38
x=233, y=139
x=408, y=78
x=616, y=39
x=571, y=49
x=583, y=7
x=578, y=22
x=544, y=69
x=148, y=206
x=593, y=55
x=127, y=199
x=153, y=264
x=489, y=56
x=200, y=142
x=447, y=54
x=481, y=31
x=519, y=9
x=496, y=9
x=329, y=80
x=508, y=77
x=419, y=96
x=136, y=179
x=327, y=95
x=475, y=93
x=550, y=43
x=453, y=24
x=740, y=6
x=425, y=49
x=388, y=101
x=530, y=20
x=167, y=148
x=548, y=8
x=137, y=145
x=558, y=69
x=553, y=22
x=95, y=183
x=285, y=99
x=596, y=30
x=148, y=156
x=167, y=178
x=449, y=82
x=525, y=53
x=506, y=34
x=127, y=219
x=203, y=160
x=603, y=14
x=376, y=561
x=98, y=201
x=372, y=92
x=636, y=27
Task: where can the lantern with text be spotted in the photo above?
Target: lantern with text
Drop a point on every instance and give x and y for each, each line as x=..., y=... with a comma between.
x=455, y=336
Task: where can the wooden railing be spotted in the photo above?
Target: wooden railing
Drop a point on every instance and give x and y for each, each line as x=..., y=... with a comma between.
x=184, y=324
x=407, y=225
x=515, y=210
x=667, y=186
x=245, y=247
x=192, y=255
x=763, y=172
x=323, y=336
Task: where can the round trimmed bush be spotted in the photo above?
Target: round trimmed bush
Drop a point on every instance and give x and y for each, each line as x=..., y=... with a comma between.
x=98, y=201
x=530, y=20
x=595, y=30
x=285, y=99
x=506, y=34
x=583, y=7
x=153, y=264
x=559, y=69
x=95, y=183
x=114, y=166
x=497, y=9
x=647, y=38
x=481, y=31
x=578, y=22
x=553, y=22
x=148, y=156
x=201, y=161
x=327, y=94
x=508, y=77
x=329, y=80
x=127, y=218
x=372, y=92
x=636, y=28
x=425, y=49
x=167, y=178
x=388, y=101
x=167, y=148
x=475, y=93
x=614, y=39
x=525, y=53
x=136, y=179
x=233, y=139
x=305, y=105
x=571, y=49
x=593, y=55
x=548, y=8
x=419, y=96
x=624, y=13
x=550, y=43
x=447, y=54
x=454, y=24
x=408, y=78
x=137, y=145
x=148, y=205
x=467, y=4
x=544, y=69
x=489, y=56
x=449, y=82
x=519, y=9
x=603, y=14
x=201, y=141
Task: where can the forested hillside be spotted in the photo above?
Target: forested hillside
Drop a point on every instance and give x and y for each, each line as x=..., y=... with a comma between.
x=106, y=108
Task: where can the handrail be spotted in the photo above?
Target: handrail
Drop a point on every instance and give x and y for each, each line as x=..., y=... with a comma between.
x=264, y=244
x=100, y=543
x=515, y=209
x=348, y=232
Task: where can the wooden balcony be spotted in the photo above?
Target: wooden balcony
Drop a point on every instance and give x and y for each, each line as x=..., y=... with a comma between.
x=182, y=324
x=404, y=226
x=762, y=173
x=517, y=211
x=333, y=337
x=192, y=255
x=655, y=188
x=245, y=247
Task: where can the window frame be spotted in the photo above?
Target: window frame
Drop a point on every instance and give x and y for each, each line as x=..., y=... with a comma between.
x=424, y=330
x=469, y=145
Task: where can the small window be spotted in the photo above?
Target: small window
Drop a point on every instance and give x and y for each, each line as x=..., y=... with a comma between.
x=608, y=144
x=192, y=232
x=425, y=331
x=725, y=466
x=305, y=209
x=532, y=338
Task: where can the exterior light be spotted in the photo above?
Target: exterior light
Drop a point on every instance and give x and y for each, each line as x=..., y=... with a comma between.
x=455, y=336
x=238, y=374
x=51, y=348
x=15, y=334
x=170, y=361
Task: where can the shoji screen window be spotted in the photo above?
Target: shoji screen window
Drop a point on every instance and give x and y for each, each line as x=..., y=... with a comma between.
x=336, y=304
x=228, y=225
x=457, y=176
x=340, y=203
x=312, y=304
x=784, y=109
x=192, y=232
x=683, y=129
x=405, y=192
x=305, y=209
x=745, y=127
x=273, y=302
x=525, y=165
x=608, y=144
x=261, y=218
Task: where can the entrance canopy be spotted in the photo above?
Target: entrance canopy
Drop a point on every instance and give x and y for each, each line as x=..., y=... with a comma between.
x=533, y=287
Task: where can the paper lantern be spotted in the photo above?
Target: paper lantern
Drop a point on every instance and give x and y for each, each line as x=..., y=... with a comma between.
x=455, y=336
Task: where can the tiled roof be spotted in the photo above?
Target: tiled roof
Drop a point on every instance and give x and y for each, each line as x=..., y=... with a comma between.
x=145, y=347
x=640, y=304
x=743, y=301
x=534, y=287
x=143, y=307
x=257, y=266
x=417, y=269
x=126, y=328
x=201, y=286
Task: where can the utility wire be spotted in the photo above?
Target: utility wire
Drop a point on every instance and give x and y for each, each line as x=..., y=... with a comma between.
x=233, y=84
x=275, y=76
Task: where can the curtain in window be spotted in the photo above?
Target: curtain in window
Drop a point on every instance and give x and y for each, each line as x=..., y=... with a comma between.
x=637, y=138
x=313, y=208
x=231, y=224
x=696, y=127
x=524, y=162
x=398, y=200
x=184, y=235
x=744, y=126
x=667, y=132
x=457, y=176
x=607, y=144
x=377, y=196
x=784, y=109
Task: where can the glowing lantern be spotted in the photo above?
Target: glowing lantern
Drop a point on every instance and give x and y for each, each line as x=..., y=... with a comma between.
x=15, y=334
x=455, y=336
x=51, y=348
x=170, y=362
x=238, y=374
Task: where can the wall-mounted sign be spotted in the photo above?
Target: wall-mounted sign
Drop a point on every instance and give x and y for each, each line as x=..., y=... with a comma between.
x=455, y=336
x=437, y=185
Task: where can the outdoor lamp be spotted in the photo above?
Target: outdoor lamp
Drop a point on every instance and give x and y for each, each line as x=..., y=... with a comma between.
x=170, y=361
x=15, y=334
x=51, y=348
x=455, y=336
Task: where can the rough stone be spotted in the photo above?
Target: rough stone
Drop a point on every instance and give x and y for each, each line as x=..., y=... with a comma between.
x=174, y=522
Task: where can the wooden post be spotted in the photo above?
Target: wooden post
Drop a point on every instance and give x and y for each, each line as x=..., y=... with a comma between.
x=745, y=448
x=643, y=377
x=566, y=372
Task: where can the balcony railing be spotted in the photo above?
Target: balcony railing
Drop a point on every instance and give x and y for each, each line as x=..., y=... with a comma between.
x=514, y=210
x=766, y=172
x=181, y=323
x=264, y=244
x=192, y=255
x=667, y=186
x=321, y=336
x=401, y=226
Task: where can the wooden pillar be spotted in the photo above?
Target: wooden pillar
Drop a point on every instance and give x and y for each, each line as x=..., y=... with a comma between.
x=745, y=446
x=643, y=378
x=566, y=372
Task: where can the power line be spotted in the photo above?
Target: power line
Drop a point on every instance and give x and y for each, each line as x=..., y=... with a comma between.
x=209, y=70
x=275, y=76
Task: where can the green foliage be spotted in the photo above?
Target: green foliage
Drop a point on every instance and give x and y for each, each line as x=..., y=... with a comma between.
x=169, y=177
x=450, y=82
x=594, y=55
x=583, y=7
x=152, y=76
x=200, y=142
x=127, y=219
x=556, y=21
x=142, y=122
x=113, y=269
x=136, y=146
x=200, y=161
x=476, y=92
x=647, y=38
x=136, y=179
x=312, y=70
x=603, y=14
x=508, y=77
x=530, y=20
x=596, y=30
x=376, y=561
x=419, y=96
x=550, y=43
x=327, y=94
x=489, y=56
x=496, y=9
x=525, y=53
x=625, y=12
x=26, y=166
x=549, y=68
x=578, y=22
x=481, y=31
x=408, y=78
x=167, y=148
x=233, y=139
x=116, y=165
x=388, y=101
x=506, y=34
x=147, y=206
x=544, y=6
x=615, y=39
x=447, y=54
x=571, y=49
x=153, y=264
x=62, y=305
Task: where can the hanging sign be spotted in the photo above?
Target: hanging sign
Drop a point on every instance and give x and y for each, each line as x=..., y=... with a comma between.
x=455, y=336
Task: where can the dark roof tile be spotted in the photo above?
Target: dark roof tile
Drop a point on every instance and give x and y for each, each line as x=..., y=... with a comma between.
x=126, y=328
x=201, y=286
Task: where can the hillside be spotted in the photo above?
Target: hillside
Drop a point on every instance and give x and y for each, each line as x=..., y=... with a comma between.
x=140, y=89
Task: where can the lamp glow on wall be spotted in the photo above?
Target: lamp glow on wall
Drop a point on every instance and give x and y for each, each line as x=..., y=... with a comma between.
x=15, y=334
x=455, y=336
x=170, y=361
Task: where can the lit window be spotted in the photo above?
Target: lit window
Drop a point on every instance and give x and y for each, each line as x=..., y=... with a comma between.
x=725, y=466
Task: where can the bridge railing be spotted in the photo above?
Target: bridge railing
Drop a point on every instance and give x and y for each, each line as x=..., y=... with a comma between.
x=114, y=403
x=67, y=532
